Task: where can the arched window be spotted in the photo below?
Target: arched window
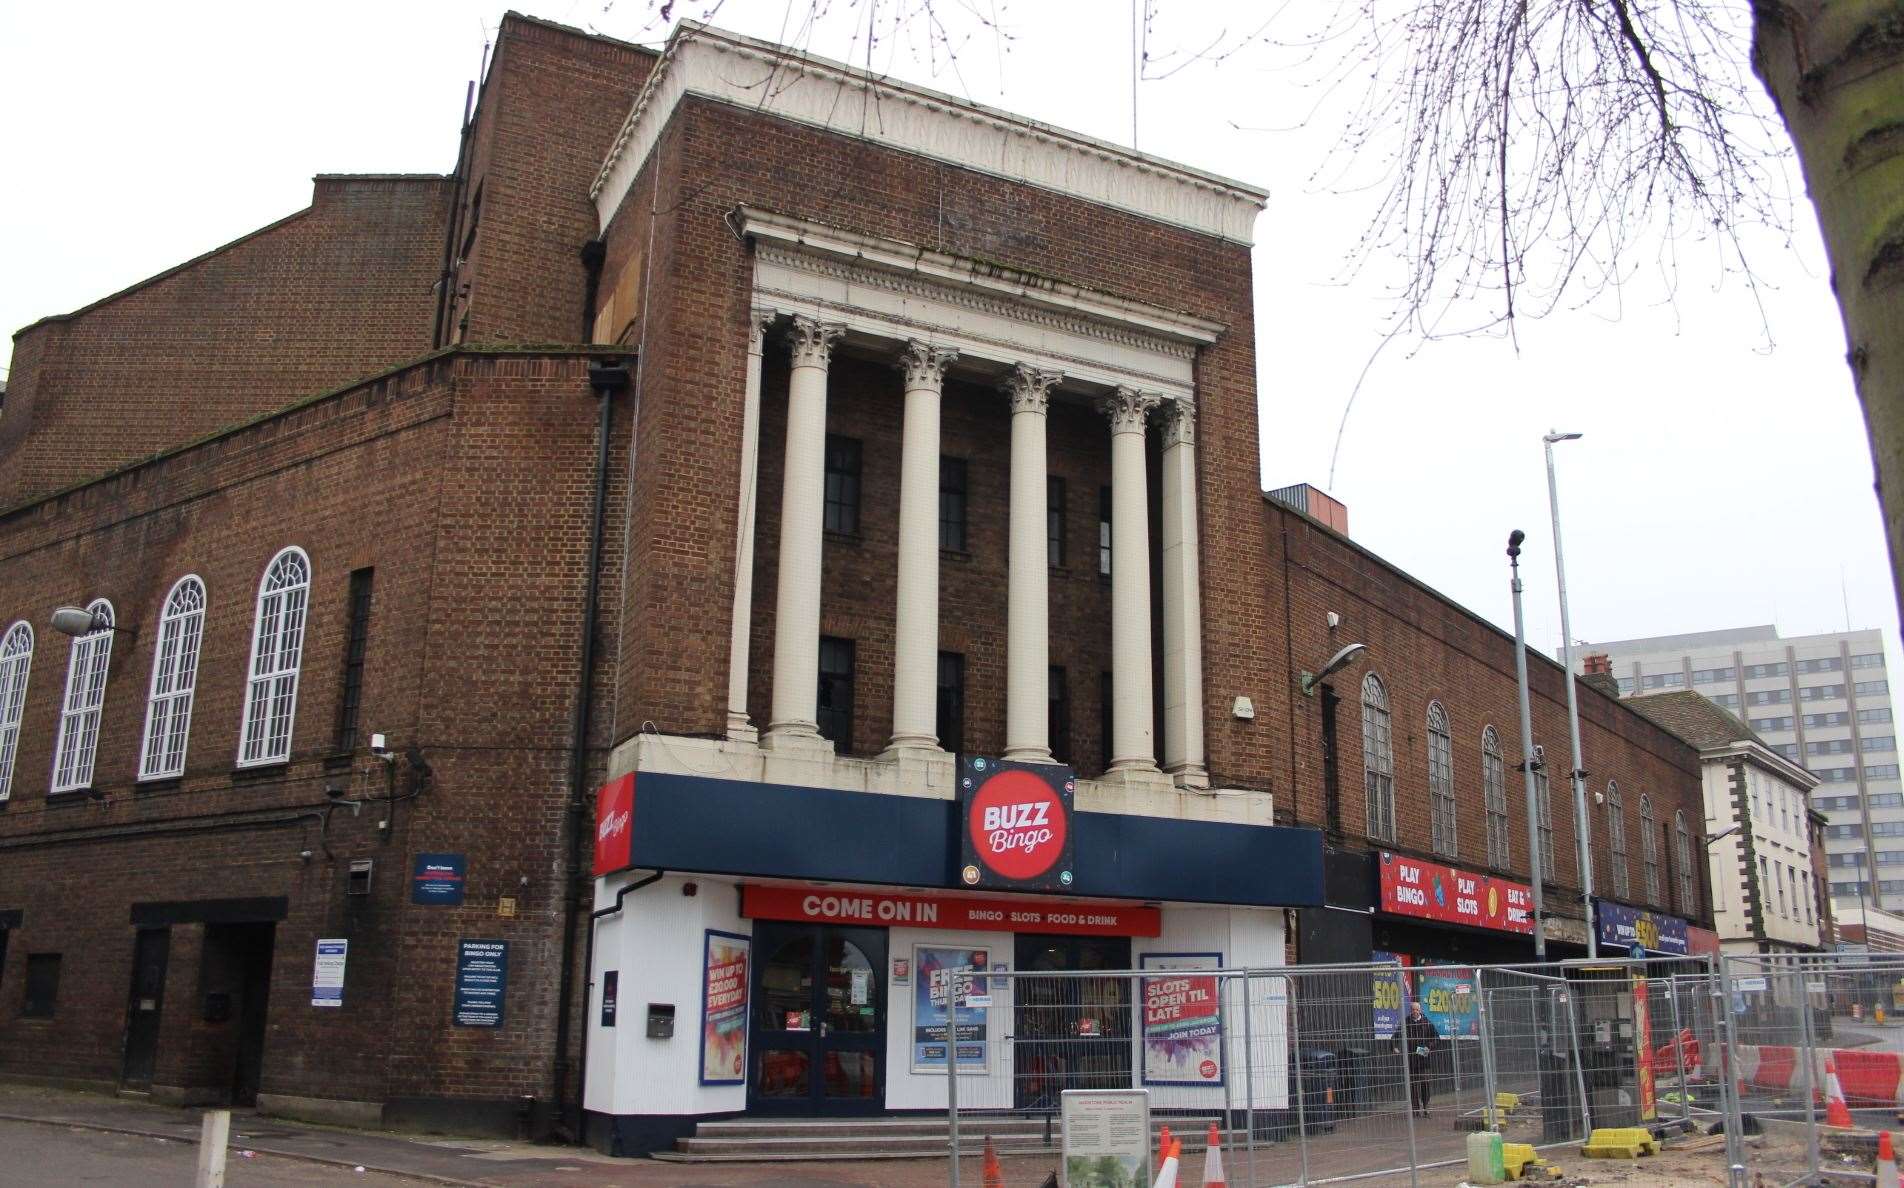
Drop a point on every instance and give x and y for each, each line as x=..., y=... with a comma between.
x=16, y=658
x=1544, y=802
x=1441, y=781
x=1500, y=850
x=1378, y=759
x=1649, y=848
x=168, y=713
x=1682, y=847
x=277, y=648
x=86, y=668
x=1616, y=838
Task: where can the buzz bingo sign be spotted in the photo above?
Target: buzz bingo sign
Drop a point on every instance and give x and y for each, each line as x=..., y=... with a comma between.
x=1016, y=824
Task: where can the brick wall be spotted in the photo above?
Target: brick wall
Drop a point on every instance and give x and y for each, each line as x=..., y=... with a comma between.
x=1425, y=649
x=336, y=292
x=466, y=482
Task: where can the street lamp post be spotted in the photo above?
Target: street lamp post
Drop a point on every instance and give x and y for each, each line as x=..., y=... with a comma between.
x=1577, y=776
x=1514, y=540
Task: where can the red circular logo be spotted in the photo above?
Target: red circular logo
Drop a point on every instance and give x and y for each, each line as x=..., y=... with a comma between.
x=1017, y=825
x=1208, y=1069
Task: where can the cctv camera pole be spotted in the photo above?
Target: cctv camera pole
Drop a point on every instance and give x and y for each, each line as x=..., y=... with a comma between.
x=1527, y=746
x=1581, y=828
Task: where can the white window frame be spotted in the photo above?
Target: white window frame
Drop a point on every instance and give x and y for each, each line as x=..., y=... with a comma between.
x=1378, y=760
x=1443, y=820
x=269, y=711
x=168, y=710
x=88, y=666
x=1682, y=849
x=16, y=665
x=1544, y=799
x=1616, y=840
x=1500, y=838
x=1649, y=850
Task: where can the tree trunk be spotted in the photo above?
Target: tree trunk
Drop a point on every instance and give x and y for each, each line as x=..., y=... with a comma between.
x=1835, y=68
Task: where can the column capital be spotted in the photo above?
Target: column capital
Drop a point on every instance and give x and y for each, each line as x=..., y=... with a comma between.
x=759, y=321
x=924, y=364
x=1128, y=409
x=813, y=341
x=1030, y=389
x=1180, y=423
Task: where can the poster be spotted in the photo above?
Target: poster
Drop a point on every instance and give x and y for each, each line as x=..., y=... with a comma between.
x=1643, y=1040
x=1437, y=891
x=944, y=983
x=1622, y=927
x=1106, y=1138
x=1447, y=998
x=724, y=1008
x=482, y=982
x=327, y=973
x=1183, y=1021
x=1387, y=988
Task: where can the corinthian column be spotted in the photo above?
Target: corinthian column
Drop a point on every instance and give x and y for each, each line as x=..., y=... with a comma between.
x=1132, y=747
x=796, y=684
x=1028, y=597
x=916, y=621
x=1183, y=602
x=740, y=639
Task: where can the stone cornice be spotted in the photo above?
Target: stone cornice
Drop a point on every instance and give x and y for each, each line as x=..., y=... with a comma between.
x=758, y=75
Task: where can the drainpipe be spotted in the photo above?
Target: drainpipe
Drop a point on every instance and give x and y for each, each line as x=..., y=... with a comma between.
x=447, y=278
x=607, y=377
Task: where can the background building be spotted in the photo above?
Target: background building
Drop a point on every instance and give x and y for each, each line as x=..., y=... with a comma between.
x=1767, y=894
x=1823, y=701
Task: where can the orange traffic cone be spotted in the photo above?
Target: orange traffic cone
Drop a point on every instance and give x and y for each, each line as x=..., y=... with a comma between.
x=1835, y=1112
x=1887, y=1161
x=1173, y=1159
x=993, y=1175
x=1163, y=1145
x=1213, y=1160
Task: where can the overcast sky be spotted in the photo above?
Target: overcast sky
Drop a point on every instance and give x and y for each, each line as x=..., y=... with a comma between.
x=1724, y=478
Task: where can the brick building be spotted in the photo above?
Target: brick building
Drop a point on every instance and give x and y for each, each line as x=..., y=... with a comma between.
x=884, y=471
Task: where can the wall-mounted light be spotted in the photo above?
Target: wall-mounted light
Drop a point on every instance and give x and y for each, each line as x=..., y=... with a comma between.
x=77, y=620
x=1309, y=680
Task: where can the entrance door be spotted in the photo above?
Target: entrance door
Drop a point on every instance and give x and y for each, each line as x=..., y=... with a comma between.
x=149, y=954
x=1071, y=1033
x=818, y=1031
x=243, y=972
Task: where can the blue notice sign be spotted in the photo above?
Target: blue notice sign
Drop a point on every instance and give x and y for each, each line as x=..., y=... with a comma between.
x=438, y=879
x=1639, y=931
x=482, y=982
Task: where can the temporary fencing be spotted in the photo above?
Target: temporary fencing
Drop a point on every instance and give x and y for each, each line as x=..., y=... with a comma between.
x=1318, y=1074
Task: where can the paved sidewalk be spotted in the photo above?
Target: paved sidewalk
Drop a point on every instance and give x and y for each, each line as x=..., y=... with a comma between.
x=333, y=1154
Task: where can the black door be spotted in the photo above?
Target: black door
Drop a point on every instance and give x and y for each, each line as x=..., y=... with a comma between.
x=817, y=1041
x=254, y=943
x=1070, y=1033
x=149, y=953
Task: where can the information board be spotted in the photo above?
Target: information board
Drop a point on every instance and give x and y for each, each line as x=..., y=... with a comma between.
x=482, y=982
x=1106, y=1138
x=327, y=972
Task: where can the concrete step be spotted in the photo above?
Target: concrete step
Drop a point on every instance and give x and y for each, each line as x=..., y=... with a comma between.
x=771, y=1140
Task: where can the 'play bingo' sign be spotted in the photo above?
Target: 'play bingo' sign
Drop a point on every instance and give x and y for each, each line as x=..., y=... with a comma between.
x=1017, y=819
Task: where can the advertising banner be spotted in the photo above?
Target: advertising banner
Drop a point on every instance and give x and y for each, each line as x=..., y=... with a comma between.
x=1387, y=987
x=1643, y=1044
x=1448, y=999
x=947, y=979
x=438, y=879
x=724, y=984
x=1183, y=1027
x=614, y=825
x=840, y=905
x=327, y=973
x=1106, y=1138
x=1622, y=927
x=1435, y=891
x=482, y=982
x=1017, y=824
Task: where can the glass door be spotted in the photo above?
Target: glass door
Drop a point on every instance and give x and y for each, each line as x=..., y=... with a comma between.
x=818, y=1021
x=1071, y=1033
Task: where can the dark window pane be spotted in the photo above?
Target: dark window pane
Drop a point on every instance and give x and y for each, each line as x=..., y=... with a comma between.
x=1059, y=719
x=836, y=692
x=1104, y=722
x=951, y=723
x=952, y=504
x=1054, y=521
x=42, y=985
x=842, y=484
x=1104, y=530
x=356, y=641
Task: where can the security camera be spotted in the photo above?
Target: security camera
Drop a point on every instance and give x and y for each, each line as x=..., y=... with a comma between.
x=1514, y=540
x=1335, y=620
x=380, y=748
